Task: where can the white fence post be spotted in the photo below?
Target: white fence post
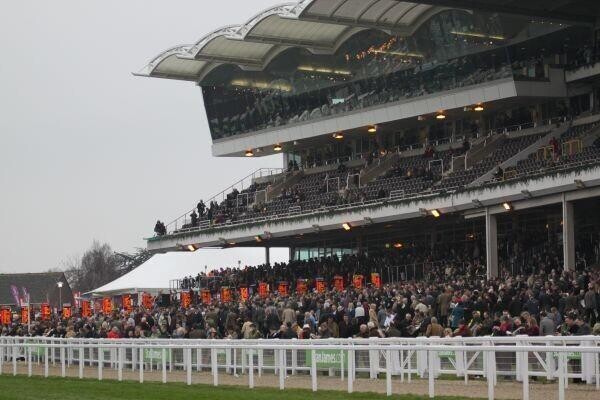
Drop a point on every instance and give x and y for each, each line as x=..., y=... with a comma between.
x=561, y=375
x=350, y=370
x=120, y=361
x=28, y=352
x=14, y=354
x=431, y=373
x=251, y=368
x=388, y=372
x=164, y=365
x=525, y=372
x=215, y=369
x=282, y=369
x=46, y=361
x=188, y=365
x=81, y=361
x=313, y=370
x=100, y=362
x=141, y=368
x=489, y=374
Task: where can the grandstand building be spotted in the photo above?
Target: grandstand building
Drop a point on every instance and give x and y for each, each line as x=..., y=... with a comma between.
x=474, y=124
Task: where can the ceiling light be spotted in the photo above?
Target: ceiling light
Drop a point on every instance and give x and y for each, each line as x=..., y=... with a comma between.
x=436, y=213
x=440, y=116
x=191, y=247
x=372, y=129
x=507, y=206
x=277, y=147
x=323, y=70
x=398, y=245
x=338, y=135
x=479, y=108
x=249, y=153
x=258, y=239
x=346, y=226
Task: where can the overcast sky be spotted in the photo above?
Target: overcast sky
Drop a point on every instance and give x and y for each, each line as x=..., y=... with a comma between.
x=88, y=151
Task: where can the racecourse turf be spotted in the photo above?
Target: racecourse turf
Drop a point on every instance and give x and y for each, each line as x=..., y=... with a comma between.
x=37, y=388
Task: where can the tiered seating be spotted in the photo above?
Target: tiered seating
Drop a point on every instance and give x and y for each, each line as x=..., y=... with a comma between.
x=508, y=149
x=311, y=192
x=537, y=163
x=411, y=175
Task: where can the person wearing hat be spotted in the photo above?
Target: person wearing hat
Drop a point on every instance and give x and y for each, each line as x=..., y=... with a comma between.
x=305, y=334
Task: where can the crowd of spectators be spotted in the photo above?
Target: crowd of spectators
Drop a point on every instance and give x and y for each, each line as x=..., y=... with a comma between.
x=452, y=298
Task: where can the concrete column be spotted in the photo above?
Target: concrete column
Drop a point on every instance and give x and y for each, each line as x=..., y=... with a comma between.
x=268, y=255
x=491, y=244
x=568, y=223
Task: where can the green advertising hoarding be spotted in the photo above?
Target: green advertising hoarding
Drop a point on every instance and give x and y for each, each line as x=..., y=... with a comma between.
x=327, y=358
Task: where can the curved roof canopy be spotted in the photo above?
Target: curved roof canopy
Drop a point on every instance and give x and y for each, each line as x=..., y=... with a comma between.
x=320, y=26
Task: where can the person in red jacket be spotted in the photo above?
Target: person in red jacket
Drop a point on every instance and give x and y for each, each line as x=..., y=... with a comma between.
x=114, y=333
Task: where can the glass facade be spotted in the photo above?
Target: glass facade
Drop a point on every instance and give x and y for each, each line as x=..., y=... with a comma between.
x=452, y=49
x=304, y=254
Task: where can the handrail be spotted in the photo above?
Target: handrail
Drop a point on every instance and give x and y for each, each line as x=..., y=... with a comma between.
x=256, y=174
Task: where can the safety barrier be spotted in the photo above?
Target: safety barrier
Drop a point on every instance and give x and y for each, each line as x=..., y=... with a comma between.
x=552, y=357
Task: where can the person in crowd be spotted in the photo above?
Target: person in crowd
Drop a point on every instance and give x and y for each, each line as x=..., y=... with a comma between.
x=434, y=329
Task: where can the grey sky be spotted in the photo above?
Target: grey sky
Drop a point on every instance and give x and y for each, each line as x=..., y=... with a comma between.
x=87, y=151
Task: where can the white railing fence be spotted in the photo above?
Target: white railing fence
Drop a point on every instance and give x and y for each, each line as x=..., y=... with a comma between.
x=404, y=359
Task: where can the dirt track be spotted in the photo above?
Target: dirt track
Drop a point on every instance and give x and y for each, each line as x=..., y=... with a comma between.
x=474, y=388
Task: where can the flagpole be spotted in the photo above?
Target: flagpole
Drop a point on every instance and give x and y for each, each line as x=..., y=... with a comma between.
x=28, y=313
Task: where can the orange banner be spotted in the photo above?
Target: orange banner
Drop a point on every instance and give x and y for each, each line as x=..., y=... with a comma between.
x=357, y=281
x=225, y=295
x=320, y=285
x=45, y=311
x=147, y=301
x=25, y=315
x=301, y=286
x=376, y=279
x=66, y=312
x=107, y=305
x=338, y=283
x=263, y=290
x=86, y=309
x=244, y=293
x=6, y=316
x=127, y=303
x=205, y=296
x=283, y=288
x=186, y=299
